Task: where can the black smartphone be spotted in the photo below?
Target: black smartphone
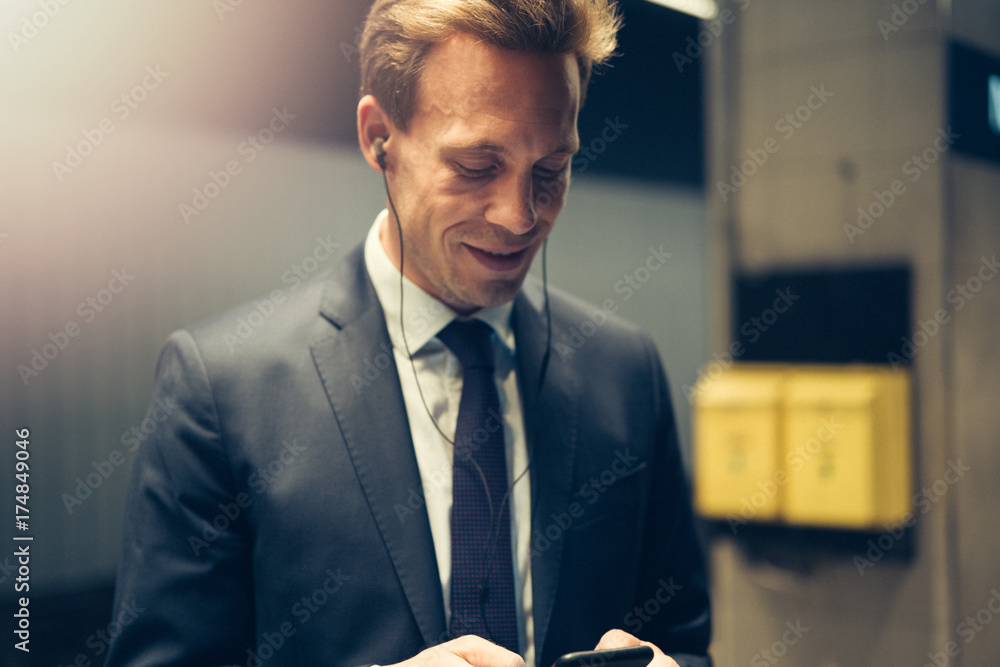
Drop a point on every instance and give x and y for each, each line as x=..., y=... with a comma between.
x=633, y=656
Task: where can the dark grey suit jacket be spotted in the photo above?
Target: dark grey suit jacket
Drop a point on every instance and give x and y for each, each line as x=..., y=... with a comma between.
x=276, y=516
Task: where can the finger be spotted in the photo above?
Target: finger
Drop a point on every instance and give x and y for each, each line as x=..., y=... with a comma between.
x=659, y=659
x=617, y=639
x=482, y=653
x=622, y=639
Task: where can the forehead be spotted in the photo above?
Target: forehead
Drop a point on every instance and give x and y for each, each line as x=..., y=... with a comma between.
x=466, y=79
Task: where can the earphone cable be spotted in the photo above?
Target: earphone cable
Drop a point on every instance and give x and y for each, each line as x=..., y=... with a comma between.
x=493, y=535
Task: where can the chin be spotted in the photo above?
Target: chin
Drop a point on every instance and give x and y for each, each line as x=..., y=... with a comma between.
x=494, y=293
x=500, y=292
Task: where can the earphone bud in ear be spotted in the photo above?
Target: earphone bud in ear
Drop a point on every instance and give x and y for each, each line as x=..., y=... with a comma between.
x=379, y=147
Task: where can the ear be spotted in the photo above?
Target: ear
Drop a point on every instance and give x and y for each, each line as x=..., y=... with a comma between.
x=373, y=123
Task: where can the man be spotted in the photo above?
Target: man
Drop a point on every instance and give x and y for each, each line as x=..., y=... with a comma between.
x=318, y=496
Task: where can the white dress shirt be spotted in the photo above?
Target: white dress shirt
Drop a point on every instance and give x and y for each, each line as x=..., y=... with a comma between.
x=440, y=378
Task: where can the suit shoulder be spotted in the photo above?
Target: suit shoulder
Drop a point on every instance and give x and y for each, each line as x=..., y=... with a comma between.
x=593, y=320
x=275, y=318
x=588, y=333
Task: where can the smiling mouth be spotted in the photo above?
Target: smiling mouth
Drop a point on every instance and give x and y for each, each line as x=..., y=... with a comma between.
x=498, y=261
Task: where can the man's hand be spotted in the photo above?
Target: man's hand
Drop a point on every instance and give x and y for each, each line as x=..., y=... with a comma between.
x=466, y=651
x=622, y=639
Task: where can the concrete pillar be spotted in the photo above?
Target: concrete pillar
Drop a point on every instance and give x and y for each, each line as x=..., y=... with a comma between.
x=818, y=109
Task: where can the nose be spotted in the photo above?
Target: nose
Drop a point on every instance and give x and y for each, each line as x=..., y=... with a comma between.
x=513, y=206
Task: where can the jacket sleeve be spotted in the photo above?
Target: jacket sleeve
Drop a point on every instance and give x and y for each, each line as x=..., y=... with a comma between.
x=671, y=602
x=185, y=572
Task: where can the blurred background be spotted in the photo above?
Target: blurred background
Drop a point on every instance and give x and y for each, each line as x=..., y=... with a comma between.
x=162, y=162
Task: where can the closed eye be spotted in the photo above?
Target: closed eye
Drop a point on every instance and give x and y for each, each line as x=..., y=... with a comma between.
x=549, y=173
x=551, y=169
x=474, y=174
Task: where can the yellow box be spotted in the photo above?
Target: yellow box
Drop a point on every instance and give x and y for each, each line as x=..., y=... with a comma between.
x=737, y=424
x=825, y=446
x=847, y=447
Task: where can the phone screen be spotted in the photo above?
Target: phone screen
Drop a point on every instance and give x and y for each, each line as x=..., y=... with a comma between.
x=633, y=656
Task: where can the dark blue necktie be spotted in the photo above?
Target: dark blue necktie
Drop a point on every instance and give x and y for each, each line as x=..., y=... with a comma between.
x=482, y=568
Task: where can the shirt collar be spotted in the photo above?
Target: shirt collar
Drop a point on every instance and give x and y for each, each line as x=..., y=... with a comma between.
x=425, y=316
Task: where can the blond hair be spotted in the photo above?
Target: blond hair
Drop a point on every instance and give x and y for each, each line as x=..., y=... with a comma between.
x=399, y=33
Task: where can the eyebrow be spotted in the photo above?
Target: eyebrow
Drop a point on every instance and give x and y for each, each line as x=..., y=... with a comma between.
x=485, y=147
x=500, y=150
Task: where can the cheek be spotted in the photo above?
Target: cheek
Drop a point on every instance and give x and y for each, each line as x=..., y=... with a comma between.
x=554, y=208
x=548, y=209
x=550, y=195
x=451, y=217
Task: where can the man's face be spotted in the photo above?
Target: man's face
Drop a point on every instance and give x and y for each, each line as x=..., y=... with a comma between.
x=481, y=173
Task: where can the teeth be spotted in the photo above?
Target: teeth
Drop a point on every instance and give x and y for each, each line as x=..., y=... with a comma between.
x=500, y=254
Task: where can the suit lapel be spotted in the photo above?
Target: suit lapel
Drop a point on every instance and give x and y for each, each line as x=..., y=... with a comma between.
x=550, y=418
x=366, y=398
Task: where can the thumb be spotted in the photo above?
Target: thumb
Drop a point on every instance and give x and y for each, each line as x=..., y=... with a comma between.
x=617, y=639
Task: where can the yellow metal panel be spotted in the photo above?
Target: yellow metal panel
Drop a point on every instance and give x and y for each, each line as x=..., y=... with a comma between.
x=894, y=463
x=737, y=422
x=848, y=447
x=828, y=438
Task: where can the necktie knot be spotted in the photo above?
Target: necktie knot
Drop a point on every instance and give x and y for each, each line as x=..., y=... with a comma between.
x=470, y=342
